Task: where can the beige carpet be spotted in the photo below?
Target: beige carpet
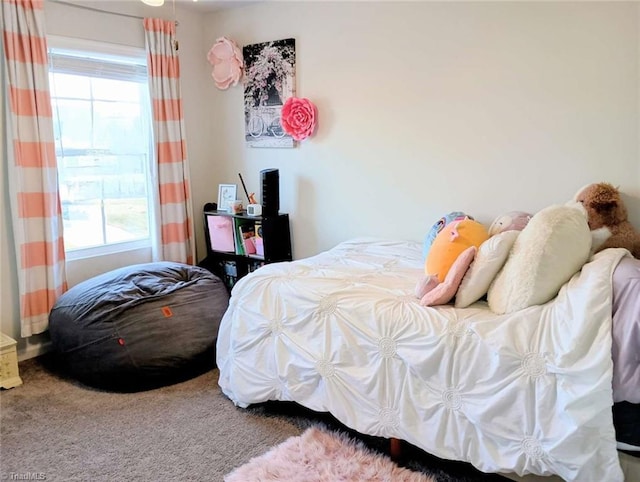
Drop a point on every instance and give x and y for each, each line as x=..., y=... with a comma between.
x=323, y=456
x=189, y=431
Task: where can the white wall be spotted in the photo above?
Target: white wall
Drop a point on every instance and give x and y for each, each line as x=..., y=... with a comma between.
x=424, y=108
x=431, y=107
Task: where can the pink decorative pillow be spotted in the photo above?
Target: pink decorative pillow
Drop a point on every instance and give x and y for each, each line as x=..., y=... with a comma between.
x=511, y=221
x=445, y=291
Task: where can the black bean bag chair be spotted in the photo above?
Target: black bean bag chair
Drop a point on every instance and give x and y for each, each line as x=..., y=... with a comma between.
x=139, y=327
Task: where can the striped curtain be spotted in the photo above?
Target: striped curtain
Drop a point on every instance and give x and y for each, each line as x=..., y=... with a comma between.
x=33, y=186
x=177, y=240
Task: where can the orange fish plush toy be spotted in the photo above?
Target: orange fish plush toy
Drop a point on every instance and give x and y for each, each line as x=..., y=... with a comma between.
x=450, y=255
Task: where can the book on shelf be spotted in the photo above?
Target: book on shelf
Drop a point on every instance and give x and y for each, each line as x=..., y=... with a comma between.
x=257, y=240
x=243, y=226
x=221, y=237
x=247, y=233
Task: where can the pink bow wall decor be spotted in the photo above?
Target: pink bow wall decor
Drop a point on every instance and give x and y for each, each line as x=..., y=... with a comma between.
x=227, y=61
x=298, y=117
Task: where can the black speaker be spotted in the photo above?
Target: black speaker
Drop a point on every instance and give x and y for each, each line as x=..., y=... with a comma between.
x=270, y=192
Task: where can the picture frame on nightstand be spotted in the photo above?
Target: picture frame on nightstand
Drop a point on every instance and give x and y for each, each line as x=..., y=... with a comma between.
x=226, y=195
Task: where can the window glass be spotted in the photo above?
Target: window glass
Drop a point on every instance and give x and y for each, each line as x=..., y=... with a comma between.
x=102, y=128
x=72, y=86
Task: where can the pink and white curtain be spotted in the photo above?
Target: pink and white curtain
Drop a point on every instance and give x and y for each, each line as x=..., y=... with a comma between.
x=33, y=177
x=177, y=240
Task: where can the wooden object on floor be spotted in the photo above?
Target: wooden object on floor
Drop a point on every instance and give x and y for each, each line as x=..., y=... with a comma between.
x=395, y=448
x=9, y=376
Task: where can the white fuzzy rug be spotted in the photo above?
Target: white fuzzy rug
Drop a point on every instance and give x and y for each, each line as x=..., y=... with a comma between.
x=323, y=456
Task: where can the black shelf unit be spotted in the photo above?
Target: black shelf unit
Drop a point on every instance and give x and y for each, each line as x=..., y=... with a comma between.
x=229, y=266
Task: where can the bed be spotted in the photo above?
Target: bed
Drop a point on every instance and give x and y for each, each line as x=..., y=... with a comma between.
x=523, y=393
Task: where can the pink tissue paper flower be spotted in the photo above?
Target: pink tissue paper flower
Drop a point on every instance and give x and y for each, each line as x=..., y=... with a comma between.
x=298, y=118
x=226, y=58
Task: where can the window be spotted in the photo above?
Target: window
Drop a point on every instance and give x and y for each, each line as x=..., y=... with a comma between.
x=103, y=140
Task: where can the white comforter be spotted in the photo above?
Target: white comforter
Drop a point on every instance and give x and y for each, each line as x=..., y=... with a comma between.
x=342, y=332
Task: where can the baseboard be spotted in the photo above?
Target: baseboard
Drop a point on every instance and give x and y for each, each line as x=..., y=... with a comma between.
x=32, y=350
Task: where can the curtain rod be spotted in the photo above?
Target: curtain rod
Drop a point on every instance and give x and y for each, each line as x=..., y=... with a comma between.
x=94, y=9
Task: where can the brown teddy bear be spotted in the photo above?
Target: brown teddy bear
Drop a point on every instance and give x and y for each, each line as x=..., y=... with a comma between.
x=607, y=217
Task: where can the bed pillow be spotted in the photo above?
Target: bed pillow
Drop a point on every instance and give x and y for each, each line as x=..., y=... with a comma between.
x=489, y=259
x=548, y=252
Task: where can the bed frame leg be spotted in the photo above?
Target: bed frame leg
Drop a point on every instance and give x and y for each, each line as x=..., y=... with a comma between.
x=395, y=448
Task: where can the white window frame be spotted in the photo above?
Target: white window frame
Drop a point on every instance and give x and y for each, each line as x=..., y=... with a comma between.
x=126, y=53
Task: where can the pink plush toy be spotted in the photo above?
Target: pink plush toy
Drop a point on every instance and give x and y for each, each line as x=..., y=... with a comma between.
x=511, y=221
x=449, y=258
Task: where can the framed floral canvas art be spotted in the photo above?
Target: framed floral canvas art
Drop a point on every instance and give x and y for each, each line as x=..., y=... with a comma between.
x=269, y=82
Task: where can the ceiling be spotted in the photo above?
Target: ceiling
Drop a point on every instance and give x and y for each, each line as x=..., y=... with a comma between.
x=204, y=6
x=134, y=6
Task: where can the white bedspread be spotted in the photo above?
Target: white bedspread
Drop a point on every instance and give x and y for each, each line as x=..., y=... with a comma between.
x=342, y=332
